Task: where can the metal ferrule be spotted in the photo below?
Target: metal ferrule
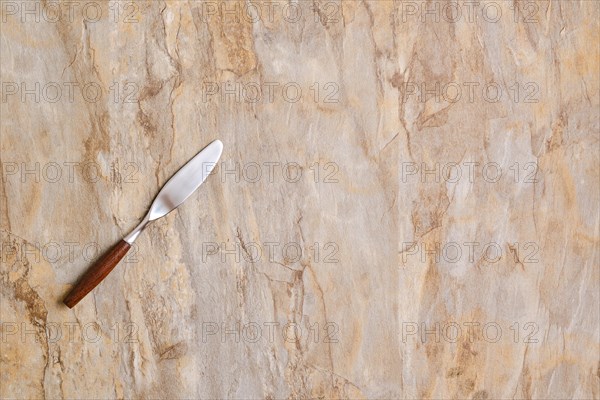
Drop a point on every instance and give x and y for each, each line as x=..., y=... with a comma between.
x=137, y=230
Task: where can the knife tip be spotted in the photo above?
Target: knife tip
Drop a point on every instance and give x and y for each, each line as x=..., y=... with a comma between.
x=217, y=143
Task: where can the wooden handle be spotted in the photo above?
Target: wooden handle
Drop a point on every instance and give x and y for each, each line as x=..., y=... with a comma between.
x=96, y=273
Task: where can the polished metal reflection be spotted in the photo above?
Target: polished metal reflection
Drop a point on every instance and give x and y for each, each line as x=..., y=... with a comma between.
x=180, y=186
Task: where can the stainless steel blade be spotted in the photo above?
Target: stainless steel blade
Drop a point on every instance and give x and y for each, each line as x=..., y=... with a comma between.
x=180, y=186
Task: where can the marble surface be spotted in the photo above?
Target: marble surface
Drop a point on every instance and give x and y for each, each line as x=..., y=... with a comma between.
x=406, y=206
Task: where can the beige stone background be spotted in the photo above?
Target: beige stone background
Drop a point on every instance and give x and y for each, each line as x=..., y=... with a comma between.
x=401, y=241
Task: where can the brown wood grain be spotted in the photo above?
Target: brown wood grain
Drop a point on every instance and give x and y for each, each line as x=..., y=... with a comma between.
x=97, y=273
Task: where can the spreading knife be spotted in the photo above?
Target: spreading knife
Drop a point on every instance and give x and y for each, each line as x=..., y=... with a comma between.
x=173, y=193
